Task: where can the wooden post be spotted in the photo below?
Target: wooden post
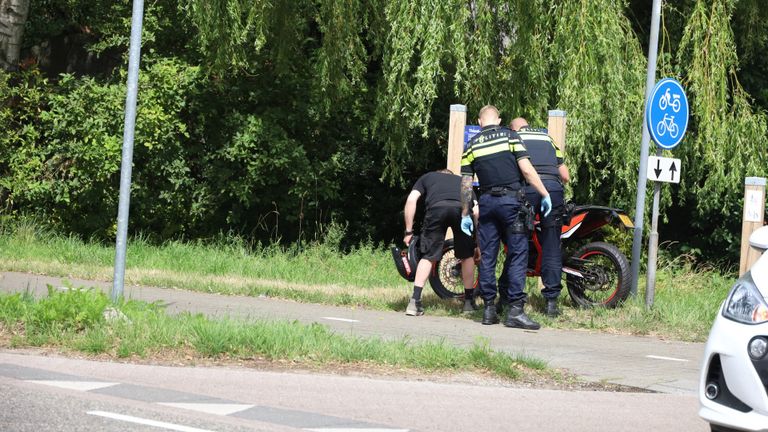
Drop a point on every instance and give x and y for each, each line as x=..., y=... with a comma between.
x=456, y=143
x=556, y=127
x=456, y=137
x=752, y=219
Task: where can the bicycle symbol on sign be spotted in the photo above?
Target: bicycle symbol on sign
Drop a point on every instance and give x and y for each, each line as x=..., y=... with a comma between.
x=668, y=125
x=670, y=100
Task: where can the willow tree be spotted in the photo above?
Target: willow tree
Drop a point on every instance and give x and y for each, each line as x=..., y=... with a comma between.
x=404, y=61
x=727, y=142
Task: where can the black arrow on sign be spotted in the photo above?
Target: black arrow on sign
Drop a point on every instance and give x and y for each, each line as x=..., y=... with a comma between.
x=657, y=170
x=672, y=169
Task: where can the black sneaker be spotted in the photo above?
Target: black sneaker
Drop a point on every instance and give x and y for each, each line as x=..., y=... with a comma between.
x=414, y=308
x=470, y=306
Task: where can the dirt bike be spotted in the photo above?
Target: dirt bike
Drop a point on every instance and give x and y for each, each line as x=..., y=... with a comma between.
x=597, y=273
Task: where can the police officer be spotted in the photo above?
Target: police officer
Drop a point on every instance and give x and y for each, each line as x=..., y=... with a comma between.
x=502, y=164
x=440, y=190
x=548, y=161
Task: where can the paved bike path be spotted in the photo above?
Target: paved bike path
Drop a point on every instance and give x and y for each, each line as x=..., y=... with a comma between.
x=644, y=362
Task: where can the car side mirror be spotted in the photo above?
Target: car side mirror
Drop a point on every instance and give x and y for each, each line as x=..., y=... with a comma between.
x=759, y=238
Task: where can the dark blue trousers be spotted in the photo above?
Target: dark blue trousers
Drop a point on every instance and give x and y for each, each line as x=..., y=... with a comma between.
x=497, y=214
x=549, y=238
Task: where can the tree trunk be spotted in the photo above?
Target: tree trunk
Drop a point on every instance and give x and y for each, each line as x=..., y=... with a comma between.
x=13, y=15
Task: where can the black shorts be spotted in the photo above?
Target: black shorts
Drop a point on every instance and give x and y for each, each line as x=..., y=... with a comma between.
x=436, y=223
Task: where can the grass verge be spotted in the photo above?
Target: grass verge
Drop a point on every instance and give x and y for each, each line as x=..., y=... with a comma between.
x=75, y=320
x=687, y=296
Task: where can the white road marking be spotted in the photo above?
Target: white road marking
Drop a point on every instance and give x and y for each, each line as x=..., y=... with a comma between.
x=210, y=408
x=666, y=358
x=340, y=319
x=75, y=385
x=356, y=430
x=148, y=422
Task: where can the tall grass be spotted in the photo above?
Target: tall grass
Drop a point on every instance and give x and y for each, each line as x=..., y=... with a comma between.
x=687, y=294
x=75, y=320
x=320, y=272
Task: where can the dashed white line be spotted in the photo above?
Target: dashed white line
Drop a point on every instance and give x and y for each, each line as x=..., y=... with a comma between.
x=666, y=358
x=74, y=385
x=148, y=422
x=340, y=319
x=357, y=430
x=210, y=408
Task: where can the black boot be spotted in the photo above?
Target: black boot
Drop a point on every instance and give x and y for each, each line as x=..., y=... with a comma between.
x=551, y=309
x=518, y=319
x=489, y=314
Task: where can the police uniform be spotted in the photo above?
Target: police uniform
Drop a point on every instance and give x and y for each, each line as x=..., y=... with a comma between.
x=493, y=154
x=546, y=157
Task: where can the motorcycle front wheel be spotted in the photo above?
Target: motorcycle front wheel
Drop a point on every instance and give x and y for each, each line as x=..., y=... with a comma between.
x=605, y=279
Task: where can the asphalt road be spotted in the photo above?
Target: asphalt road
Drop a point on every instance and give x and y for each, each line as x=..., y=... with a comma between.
x=48, y=393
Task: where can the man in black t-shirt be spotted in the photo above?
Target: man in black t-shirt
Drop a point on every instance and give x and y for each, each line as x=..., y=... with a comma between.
x=440, y=190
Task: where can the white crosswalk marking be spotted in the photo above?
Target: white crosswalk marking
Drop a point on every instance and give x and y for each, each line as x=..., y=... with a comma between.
x=74, y=385
x=210, y=408
x=148, y=422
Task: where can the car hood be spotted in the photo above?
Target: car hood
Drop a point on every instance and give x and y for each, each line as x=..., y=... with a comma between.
x=759, y=273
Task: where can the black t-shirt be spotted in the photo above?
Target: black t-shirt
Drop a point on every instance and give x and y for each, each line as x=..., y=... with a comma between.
x=436, y=187
x=492, y=155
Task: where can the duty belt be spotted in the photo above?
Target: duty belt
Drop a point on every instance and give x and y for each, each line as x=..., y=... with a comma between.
x=549, y=177
x=501, y=190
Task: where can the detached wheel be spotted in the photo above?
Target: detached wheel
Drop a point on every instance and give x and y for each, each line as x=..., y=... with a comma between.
x=445, y=278
x=606, y=279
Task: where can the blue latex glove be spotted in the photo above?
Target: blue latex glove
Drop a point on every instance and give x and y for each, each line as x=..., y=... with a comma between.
x=467, y=225
x=546, y=206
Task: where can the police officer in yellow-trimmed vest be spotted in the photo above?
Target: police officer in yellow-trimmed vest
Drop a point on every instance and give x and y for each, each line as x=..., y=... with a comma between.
x=502, y=165
x=548, y=161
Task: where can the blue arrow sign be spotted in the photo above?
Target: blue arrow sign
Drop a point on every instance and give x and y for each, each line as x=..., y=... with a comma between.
x=666, y=113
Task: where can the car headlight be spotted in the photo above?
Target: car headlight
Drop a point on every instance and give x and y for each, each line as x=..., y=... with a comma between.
x=745, y=304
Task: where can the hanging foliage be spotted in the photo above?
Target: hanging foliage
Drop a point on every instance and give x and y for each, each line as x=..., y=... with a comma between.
x=598, y=67
x=229, y=31
x=727, y=143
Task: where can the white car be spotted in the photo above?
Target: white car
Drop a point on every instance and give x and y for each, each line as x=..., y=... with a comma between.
x=733, y=386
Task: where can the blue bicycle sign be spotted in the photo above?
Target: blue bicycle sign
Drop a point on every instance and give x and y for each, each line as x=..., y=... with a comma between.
x=666, y=113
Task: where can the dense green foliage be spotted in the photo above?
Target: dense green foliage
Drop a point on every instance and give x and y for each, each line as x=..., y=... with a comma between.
x=271, y=119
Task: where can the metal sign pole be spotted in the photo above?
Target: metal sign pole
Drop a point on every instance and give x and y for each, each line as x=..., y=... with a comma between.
x=642, y=179
x=127, y=162
x=653, y=246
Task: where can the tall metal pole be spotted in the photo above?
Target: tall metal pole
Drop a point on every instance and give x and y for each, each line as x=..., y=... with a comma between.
x=128, y=133
x=637, y=240
x=653, y=245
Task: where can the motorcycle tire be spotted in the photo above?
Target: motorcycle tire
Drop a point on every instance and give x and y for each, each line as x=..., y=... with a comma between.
x=607, y=278
x=445, y=278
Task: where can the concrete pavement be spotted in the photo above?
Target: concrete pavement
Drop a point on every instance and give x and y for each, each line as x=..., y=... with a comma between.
x=643, y=362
